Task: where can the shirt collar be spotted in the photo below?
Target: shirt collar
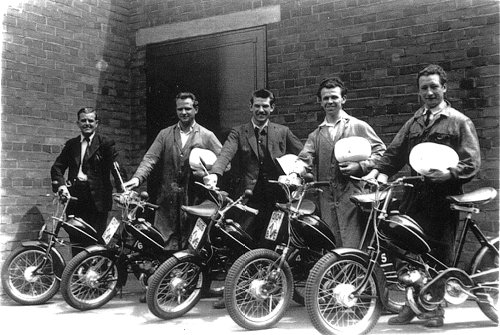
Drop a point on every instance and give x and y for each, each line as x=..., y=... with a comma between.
x=190, y=128
x=342, y=115
x=260, y=128
x=439, y=108
x=90, y=138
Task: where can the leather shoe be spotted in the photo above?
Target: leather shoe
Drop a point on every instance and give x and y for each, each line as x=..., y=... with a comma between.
x=403, y=318
x=434, y=322
x=219, y=304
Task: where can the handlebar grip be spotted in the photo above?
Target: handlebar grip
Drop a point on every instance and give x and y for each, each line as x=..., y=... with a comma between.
x=152, y=205
x=251, y=210
x=248, y=209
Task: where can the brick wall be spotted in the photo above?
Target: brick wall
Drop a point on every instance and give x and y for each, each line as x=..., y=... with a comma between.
x=52, y=49
x=58, y=56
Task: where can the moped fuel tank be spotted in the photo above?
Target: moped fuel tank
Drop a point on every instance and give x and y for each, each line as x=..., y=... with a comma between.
x=147, y=234
x=313, y=232
x=405, y=233
x=233, y=237
x=80, y=231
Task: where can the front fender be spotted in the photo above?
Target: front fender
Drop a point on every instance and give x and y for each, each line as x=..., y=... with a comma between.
x=364, y=258
x=58, y=262
x=186, y=254
x=120, y=260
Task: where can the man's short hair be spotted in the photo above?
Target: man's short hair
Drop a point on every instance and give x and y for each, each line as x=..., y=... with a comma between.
x=332, y=83
x=434, y=69
x=263, y=94
x=187, y=95
x=87, y=110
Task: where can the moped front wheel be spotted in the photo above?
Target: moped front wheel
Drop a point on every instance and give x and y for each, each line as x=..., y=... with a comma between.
x=331, y=301
x=175, y=288
x=28, y=276
x=258, y=292
x=485, y=265
x=90, y=280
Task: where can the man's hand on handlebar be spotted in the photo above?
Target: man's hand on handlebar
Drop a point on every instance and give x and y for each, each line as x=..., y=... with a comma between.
x=63, y=192
x=211, y=180
x=131, y=184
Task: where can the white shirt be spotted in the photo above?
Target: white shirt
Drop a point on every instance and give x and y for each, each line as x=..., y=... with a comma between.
x=84, y=146
x=185, y=134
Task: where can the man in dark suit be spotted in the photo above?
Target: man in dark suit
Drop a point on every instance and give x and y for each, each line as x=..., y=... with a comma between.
x=256, y=145
x=89, y=160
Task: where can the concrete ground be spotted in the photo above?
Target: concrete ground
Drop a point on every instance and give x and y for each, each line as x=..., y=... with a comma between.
x=126, y=315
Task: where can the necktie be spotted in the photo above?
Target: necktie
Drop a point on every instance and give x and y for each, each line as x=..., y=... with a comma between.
x=260, y=136
x=428, y=114
x=84, y=156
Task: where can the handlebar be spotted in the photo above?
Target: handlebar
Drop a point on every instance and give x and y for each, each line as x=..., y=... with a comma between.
x=306, y=185
x=247, y=209
x=133, y=199
x=399, y=181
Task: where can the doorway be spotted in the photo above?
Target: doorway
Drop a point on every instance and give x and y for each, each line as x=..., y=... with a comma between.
x=222, y=70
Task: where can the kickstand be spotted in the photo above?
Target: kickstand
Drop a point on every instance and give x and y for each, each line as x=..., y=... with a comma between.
x=121, y=292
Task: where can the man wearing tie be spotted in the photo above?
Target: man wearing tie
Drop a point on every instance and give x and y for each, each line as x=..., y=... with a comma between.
x=89, y=159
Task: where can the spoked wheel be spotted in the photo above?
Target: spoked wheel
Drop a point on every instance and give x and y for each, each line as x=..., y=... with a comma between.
x=89, y=280
x=486, y=264
x=175, y=288
x=28, y=276
x=331, y=303
x=258, y=293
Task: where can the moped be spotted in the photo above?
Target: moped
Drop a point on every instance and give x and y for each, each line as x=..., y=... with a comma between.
x=346, y=289
x=130, y=245
x=262, y=282
x=215, y=242
x=31, y=274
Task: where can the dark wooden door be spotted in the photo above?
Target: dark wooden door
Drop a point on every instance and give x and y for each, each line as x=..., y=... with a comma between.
x=222, y=70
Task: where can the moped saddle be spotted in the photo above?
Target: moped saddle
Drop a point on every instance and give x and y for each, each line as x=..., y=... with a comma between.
x=477, y=197
x=206, y=209
x=368, y=197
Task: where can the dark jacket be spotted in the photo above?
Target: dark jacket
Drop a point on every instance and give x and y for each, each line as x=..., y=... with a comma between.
x=102, y=154
x=241, y=140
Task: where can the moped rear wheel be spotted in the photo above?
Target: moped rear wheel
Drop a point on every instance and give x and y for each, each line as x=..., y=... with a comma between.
x=90, y=280
x=330, y=302
x=28, y=276
x=486, y=261
x=257, y=292
x=175, y=288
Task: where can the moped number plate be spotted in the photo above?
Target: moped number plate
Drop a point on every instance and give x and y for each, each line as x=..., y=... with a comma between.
x=110, y=230
x=274, y=225
x=197, y=233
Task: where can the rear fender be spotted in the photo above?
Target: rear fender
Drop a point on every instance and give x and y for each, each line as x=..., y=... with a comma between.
x=363, y=257
x=476, y=260
x=57, y=259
